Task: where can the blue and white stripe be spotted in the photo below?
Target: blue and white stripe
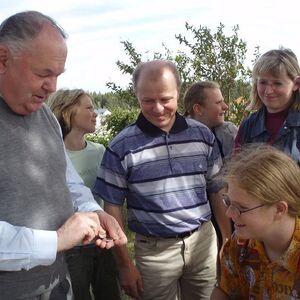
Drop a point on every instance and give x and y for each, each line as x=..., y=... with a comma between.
x=164, y=177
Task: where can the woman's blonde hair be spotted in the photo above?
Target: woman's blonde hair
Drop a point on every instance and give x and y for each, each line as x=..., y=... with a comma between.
x=268, y=174
x=275, y=62
x=63, y=103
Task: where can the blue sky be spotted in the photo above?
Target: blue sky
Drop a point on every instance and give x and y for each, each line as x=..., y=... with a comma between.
x=96, y=27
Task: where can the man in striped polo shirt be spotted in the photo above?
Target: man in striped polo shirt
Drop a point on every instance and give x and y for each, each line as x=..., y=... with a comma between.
x=163, y=165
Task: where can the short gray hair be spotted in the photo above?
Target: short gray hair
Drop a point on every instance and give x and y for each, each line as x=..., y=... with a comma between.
x=21, y=27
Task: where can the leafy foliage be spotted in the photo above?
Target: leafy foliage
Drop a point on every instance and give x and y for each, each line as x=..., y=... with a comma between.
x=120, y=118
x=214, y=56
x=205, y=56
x=108, y=100
x=111, y=125
x=102, y=134
x=126, y=96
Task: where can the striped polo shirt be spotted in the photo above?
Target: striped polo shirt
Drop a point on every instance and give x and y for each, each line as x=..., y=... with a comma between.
x=164, y=177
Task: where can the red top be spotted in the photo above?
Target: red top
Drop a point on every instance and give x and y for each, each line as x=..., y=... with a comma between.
x=274, y=122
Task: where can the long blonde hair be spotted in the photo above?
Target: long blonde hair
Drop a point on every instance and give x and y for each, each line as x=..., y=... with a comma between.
x=267, y=174
x=63, y=103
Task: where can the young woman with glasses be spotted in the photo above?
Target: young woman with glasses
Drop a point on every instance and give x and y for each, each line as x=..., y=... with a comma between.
x=262, y=259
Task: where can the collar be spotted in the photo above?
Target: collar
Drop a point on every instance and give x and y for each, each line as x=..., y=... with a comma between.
x=290, y=260
x=293, y=118
x=148, y=128
x=259, y=127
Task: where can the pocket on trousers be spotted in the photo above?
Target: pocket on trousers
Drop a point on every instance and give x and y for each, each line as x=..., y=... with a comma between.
x=144, y=245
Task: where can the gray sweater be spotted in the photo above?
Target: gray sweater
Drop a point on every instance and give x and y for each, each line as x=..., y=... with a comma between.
x=33, y=189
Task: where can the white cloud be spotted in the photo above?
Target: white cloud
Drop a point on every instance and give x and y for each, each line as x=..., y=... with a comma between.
x=96, y=28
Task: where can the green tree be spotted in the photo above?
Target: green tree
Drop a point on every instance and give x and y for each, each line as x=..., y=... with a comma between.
x=120, y=118
x=214, y=56
x=126, y=95
x=107, y=100
x=111, y=125
x=205, y=56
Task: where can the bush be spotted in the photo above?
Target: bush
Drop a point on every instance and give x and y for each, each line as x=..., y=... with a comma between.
x=121, y=118
x=112, y=125
x=102, y=134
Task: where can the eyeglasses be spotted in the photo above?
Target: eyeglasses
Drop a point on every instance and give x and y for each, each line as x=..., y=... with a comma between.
x=235, y=209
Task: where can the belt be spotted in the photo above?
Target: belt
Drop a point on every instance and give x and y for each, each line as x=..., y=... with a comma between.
x=182, y=234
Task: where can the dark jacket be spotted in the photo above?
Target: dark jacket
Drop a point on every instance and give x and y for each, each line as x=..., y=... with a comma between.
x=253, y=130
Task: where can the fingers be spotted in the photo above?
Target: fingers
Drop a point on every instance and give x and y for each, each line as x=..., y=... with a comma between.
x=140, y=286
x=131, y=280
x=105, y=242
x=86, y=227
x=118, y=235
x=134, y=291
x=131, y=290
x=114, y=233
x=79, y=228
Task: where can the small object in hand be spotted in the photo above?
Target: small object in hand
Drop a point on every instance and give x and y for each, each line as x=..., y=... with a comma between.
x=105, y=238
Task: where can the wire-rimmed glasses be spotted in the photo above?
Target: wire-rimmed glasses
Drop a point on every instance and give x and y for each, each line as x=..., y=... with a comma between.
x=237, y=212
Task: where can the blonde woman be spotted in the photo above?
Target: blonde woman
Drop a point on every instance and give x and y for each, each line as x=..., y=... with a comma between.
x=88, y=265
x=276, y=99
x=262, y=259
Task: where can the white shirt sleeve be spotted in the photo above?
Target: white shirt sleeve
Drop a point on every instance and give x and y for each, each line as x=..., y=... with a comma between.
x=23, y=248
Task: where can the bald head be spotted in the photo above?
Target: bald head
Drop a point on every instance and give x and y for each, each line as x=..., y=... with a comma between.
x=154, y=70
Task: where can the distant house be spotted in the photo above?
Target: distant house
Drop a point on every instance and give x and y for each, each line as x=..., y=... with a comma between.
x=101, y=112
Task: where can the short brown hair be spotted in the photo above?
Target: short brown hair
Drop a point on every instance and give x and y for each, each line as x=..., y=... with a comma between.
x=196, y=94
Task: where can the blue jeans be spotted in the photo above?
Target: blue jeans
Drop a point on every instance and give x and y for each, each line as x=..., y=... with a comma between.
x=90, y=266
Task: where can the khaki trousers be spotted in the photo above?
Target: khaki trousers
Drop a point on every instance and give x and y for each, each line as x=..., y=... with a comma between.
x=178, y=269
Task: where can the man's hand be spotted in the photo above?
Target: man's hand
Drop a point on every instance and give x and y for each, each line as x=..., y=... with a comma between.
x=130, y=278
x=131, y=281
x=80, y=228
x=113, y=235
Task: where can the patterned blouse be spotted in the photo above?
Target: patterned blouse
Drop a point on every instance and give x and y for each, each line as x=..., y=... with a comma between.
x=247, y=273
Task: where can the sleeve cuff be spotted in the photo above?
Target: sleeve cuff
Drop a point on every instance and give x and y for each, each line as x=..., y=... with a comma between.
x=89, y=206
x=44, y=247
